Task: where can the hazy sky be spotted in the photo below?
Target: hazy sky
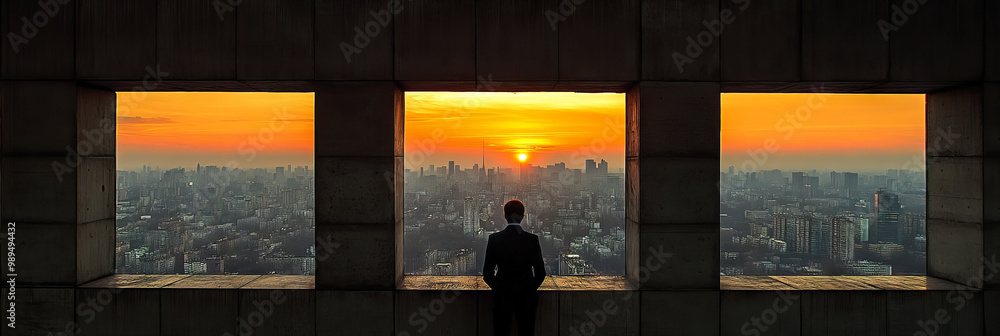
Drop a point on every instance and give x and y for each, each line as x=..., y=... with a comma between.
x=830, y=131
x=548, y=127
x=241, y=129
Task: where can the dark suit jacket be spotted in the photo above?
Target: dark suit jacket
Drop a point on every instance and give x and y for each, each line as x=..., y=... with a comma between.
x=517, y=257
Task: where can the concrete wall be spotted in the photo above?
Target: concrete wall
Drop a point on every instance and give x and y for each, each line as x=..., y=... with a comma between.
x=673, y=57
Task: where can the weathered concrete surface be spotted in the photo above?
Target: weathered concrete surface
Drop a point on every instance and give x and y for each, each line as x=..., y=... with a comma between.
x=41, y=311
x=674, y=119
x=358, y=257
x=96, y=116
x=199, y=311
x=956, y=251
x=358, y=119
x=599, y=313
x=514, y=41
x=123, y=32
x=546, y=317
x=763, y=43
x=955, y=122
x=358, y=190
x=354, y=312
x=843, y=313
x=680, y=40
x=599, y=40
x=436, y=312
x=955, y=188
x=661, y=179
x=740, y=310
x=938, y=41
x=351, y=42
x=680, y=312
x=109, y=311
x=909, y=311
x=274, y=39
x=281, y=311
x=45, y=253
x=674, y=257
x=95, y=189
x=435, y=40
x=842, y=42
x=196, y=39
x=94, y=258
x=34, y=53
x=32, y=108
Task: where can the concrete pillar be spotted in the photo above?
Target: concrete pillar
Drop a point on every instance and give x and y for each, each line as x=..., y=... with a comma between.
x=358, y=172
x=672, y=186
x=956, y=127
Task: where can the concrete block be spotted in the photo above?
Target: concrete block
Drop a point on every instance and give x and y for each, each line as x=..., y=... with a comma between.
x=955, y=188
x=274, y=40
x=360, y=257
x=935, y=41
x=992, y=308
x=598, y=313
x=115, y=39
x=763, y=43
x=955, y=312
x=42, y=311
x=679, y=119
x=844, y=312
x=955, y=122
x=196, y=39
x=96, y=117
x=435, y=40
x=680, y=40
x=991, y=119
x=991, y=189
x=680, y=313
x=95, y=189
x=841, y=42
x=514, y=41
x=372, y=109
x=107, y=311
x=991, y=255
x=353, y=43
x=277, y=312
x=95, y=250
x=33, y=108
x=42, y=44
x=598, y=40
x=357, y=190
x=678, y=190
x=955, y=250
x=199, y=311
x=761, y=312
x=46, y=253
x=36, y=193
x=546, y=317
x=354, y=312
x=959, y=209
x=677, y=257
x=434, y=312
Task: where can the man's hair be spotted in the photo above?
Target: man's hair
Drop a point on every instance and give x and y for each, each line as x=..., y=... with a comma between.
x=513, y=211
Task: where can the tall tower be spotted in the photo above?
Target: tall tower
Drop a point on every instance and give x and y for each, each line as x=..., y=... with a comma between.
x=886, y=217
x=842, y=238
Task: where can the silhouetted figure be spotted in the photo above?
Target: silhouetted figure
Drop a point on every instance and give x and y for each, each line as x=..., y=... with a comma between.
x=516, y=258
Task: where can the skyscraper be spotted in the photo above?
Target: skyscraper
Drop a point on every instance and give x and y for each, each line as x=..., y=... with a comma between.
x=602, y=168
x=451, y=168
x=886, y=217
x=842, y=239
x=591, y=167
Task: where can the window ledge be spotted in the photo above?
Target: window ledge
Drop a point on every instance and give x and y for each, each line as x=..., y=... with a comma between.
x=182, y=281
x=551, y=283
x=898, y=283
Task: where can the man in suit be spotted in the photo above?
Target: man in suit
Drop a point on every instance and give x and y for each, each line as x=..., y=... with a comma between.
x=514, y=270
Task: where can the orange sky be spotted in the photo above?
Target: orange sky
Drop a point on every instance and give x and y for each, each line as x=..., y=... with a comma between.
x=242, y=129
x=836, y=131
x=549, y=127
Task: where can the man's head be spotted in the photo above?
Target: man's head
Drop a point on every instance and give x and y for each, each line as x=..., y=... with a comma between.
x=513, y=211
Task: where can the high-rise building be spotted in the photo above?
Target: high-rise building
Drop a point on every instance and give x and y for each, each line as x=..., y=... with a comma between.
x=451, y=168
x=590, y=167
x=851, y=183
x=886, y=217
x=602, y=168
x=470, y=220
x=803, y=234
x=842, y=238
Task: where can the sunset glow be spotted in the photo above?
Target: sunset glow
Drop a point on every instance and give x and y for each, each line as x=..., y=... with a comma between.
x=812, y=131
x=241, y=129
x=544, y=127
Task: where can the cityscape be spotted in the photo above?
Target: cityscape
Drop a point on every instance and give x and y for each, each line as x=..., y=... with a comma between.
x=578, y=215
x=823, y=222
x=215, y=220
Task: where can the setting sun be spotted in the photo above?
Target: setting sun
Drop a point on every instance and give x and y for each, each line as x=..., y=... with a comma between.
x=522, y=157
